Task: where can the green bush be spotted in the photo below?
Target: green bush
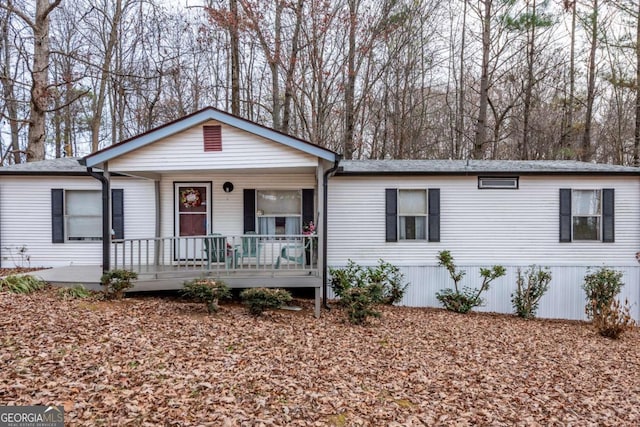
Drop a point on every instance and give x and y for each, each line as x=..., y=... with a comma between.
x=75, y=292
x=531, y=287
x=613, y=319
x=601, y=287
x=21, y=284
x=207, y=291
x=463, y=300
x=385, y=282
x=115, y=282
x=359, y=304
x=343, y=279
x=258, y=300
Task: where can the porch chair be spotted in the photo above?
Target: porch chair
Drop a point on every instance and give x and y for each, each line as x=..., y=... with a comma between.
x=295, y=253
x=250, y=247
x=215, y=249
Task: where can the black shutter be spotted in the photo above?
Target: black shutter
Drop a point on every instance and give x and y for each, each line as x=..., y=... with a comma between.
x=249, y=210
x=307, y=206
x=117, y=213
x=608, y=214
x=57, y=215
x=434, y=214
x=565, y=215
x=391, y=210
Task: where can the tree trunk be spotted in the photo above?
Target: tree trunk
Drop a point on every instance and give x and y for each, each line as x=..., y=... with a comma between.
x=293, y=59
x=9, y=95
x=585, y=149
x=528, y=94
x=461, y=92
x=40, y=81
x=636, y=133
x=350, y=87
x=98, y=107
x=235, y=58
x=481, y=126
x=567, y=133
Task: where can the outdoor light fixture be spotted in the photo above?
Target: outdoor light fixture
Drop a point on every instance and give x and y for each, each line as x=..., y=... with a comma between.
x=227, y=187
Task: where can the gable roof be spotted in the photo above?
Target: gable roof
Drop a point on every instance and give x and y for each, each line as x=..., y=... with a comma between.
x=480, y=167
x=199, y=117
x=61, y=166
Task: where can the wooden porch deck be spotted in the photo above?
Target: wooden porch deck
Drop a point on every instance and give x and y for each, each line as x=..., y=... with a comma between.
x=169, y=278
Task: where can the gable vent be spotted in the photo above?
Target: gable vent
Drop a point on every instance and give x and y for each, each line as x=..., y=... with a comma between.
x=212, y=138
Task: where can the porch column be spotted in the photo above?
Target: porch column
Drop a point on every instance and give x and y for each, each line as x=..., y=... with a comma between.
x=320, y=223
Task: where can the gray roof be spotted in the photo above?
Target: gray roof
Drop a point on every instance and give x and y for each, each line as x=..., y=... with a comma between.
x=64, y=165
x=478, y=167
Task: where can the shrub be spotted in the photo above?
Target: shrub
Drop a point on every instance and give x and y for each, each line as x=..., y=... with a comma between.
x=359, y=304
x=21, y=284
x=465, y=299
x=385, y=282
x=390, y=281
x=115, y=282
x=531, y=287
x=343, y=279
x=601, y=288
x=207, y=291
x=613, y=319
x=76, y=292
x=258, y=300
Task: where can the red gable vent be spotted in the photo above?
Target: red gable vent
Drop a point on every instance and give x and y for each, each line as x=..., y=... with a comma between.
x=212, y=138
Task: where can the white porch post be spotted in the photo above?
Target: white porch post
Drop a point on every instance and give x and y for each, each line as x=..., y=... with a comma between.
x=320, y=217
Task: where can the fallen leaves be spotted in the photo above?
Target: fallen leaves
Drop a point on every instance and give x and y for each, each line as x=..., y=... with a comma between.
x=161, y=361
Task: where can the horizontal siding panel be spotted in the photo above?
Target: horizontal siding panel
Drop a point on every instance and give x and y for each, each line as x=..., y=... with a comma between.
x=479, y=226
x=25, y=219
x=185, y=151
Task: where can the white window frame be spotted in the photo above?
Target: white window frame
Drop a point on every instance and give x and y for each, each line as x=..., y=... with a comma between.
x=260, y=214
x=400, y=214
x=498, y=182
x=598, y=215
x=67, y=217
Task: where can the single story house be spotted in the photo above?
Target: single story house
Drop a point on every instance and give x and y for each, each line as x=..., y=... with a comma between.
x=212, y=193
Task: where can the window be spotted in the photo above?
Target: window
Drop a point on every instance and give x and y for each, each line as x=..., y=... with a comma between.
x=501, y=183
x=412, y=214
x=586, y=214
x=83, y=215
x=279, y=212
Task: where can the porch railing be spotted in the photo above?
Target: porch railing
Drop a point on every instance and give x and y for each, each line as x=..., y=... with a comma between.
x=218, y=254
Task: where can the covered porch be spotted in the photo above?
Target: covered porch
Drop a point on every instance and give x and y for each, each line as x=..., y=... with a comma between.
x=233, y=200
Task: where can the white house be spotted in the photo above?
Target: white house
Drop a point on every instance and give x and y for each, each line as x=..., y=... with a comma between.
x=215, y=194
x=568, y=216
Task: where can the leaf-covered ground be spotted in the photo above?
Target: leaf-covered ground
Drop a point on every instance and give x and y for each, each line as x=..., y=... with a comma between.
x=160, y=361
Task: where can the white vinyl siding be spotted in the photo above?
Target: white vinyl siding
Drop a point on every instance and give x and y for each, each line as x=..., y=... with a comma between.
x=478, y=226
x=240, y=150
x=227, y=208
x=32, y=227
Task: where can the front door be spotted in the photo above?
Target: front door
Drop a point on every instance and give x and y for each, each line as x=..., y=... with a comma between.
x=192, y=214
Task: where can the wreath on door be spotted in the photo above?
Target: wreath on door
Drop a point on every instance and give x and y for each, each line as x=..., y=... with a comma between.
x=190, y=198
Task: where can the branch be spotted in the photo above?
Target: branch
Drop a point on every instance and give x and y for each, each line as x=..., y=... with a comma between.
x=60, y=107
x=52, y=6
x=11, y=8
